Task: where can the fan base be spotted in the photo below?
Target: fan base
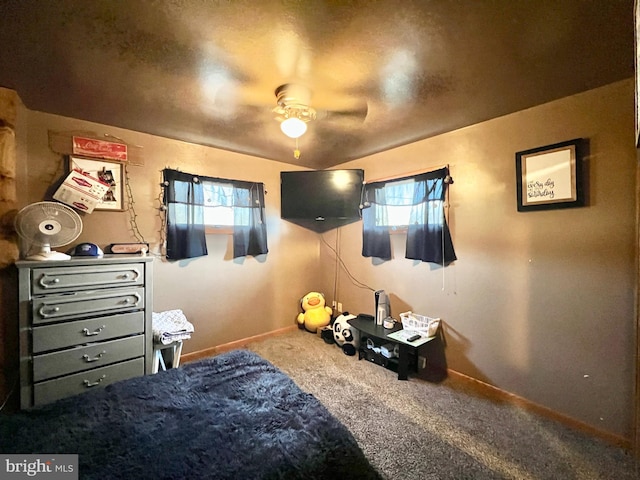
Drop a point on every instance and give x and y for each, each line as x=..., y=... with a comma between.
x=49, y=256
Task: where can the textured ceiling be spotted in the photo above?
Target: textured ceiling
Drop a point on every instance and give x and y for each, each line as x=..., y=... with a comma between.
x=382, y=73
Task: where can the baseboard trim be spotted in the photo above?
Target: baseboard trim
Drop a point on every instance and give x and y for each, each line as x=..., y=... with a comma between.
x=496, y=394
x=226, y=347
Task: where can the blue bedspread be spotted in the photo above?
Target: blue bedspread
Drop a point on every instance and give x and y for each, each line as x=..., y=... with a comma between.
x=234, y=416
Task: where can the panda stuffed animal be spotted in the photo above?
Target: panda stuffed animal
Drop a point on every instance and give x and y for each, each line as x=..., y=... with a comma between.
x=346, y=336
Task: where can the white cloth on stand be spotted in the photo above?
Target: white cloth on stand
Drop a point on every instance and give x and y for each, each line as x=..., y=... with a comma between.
x=170, y=326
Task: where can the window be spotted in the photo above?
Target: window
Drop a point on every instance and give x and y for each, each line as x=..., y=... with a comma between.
x=218, y=206
x=414, y=205
x=399, y=197
x=197, y=205
x=396, y=213
x=225, y=206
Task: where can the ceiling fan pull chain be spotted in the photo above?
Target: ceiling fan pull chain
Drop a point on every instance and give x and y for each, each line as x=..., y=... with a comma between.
x=296, y=152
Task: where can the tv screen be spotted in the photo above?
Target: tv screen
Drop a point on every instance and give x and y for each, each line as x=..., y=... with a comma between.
x=321, y=199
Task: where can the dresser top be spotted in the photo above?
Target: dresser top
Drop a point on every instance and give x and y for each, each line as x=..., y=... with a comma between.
x=82, y=261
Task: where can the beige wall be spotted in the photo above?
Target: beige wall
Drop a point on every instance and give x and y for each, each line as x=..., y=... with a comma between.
x=225, y=299
x=540, y=304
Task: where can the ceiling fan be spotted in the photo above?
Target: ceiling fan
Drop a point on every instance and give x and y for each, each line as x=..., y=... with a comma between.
x=293, y=110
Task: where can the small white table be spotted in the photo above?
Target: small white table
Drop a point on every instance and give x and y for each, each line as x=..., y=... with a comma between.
x=175, y=350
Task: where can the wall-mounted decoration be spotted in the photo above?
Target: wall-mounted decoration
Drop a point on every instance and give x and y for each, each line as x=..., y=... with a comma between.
x=110, y=173
x=91, y=147
x=550, y=177
x=61, y=142
x=81, y=191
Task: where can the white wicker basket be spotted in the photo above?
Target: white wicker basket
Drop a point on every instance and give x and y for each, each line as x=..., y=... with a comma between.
x=426, y=325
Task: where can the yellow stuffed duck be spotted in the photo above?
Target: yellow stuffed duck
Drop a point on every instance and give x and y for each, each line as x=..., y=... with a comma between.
x=316, y=314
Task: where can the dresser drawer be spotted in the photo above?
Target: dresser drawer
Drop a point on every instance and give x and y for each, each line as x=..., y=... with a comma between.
x=50, y=308
x=47, y=280
x=86, y=357
x=67, y=334
x=45, y=392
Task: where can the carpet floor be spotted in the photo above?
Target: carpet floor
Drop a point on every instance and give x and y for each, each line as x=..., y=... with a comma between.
x=416, y=429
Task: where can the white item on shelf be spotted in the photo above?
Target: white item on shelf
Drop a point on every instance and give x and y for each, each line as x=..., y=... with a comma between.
x=419, y=323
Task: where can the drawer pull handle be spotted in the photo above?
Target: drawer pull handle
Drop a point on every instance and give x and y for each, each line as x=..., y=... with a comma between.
x=97, y=331
x=130, y=301
x=46, y=310
x=94, y=359
x=88, y=384
x=44, y=281
x=126, y=276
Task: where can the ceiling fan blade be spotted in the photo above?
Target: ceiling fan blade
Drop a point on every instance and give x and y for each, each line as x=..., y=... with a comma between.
x=358, y=114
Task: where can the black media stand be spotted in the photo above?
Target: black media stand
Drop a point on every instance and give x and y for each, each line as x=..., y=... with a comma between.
x=407, y=351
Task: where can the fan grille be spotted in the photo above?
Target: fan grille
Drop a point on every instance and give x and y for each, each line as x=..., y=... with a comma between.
x=48, y=223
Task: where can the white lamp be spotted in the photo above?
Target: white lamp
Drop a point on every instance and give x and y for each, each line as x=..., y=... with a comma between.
x=293, y=127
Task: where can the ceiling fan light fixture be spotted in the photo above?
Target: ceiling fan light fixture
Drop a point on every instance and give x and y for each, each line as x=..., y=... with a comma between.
x=293, y=127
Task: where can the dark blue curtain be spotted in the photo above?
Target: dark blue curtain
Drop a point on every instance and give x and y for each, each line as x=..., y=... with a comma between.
x=376, y=241
x=184, y=199
x=428, y=235
x=250, y=229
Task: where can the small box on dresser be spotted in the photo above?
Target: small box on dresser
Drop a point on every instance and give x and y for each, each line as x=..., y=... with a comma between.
x=83, y=323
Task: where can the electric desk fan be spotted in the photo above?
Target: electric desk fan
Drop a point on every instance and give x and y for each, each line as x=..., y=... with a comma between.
x=46, y=225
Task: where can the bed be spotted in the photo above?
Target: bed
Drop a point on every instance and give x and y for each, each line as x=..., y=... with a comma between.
x=232, y=416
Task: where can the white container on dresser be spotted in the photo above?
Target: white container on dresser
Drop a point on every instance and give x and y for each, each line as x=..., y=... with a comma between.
x=84, y=323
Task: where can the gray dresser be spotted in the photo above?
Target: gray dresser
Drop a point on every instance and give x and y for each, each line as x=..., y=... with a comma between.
x=84, y=323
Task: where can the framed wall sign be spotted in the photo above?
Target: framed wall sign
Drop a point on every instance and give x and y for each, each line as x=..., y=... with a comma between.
x=550, y=177
x=110, y=173
x=92, y=147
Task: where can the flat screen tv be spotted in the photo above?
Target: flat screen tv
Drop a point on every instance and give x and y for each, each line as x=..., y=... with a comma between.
x=321, y=199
